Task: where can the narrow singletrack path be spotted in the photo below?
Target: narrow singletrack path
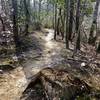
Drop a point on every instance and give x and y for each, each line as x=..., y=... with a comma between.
x=50, y=55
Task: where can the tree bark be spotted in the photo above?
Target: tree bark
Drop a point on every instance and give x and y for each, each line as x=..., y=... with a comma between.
x=66, y=22
x=15, y=26
x=40, y=10
x=53, y=20
x=34, y=10
x=58, y=22
x=55, y=26
x=92, y=38
x=26, y=4
x=77, y=25
x=71, y=19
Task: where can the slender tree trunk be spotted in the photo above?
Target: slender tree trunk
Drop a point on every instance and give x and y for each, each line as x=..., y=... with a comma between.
x=47, y=11
x=92, y=39
x=58, y=22
x=53, y=20
x=34, y=10
x=47, y=7
x=77, y=25
x=62, y=27
x=15, y=26
x=55, y=30
x=27, y=3
x=71, y=19
x=40, y=10
x=66, y=23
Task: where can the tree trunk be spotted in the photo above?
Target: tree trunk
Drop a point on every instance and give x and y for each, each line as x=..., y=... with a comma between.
x=26, y=4
x=77, y=25
x=58, y=22
x=40, y=10
x=92, y=39
x=66, y=23
x=15, y=26
x=47, y=12
x=53, y=20
x=55, y=30
x=71, y=19
x=47, y=7
x=34, y=10
x=62, y=27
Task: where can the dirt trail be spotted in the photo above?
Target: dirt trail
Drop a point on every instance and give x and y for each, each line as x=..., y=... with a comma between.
x=50, y=55
x=13, y=83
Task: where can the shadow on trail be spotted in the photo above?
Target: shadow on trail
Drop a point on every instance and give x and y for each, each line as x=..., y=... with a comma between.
x=50, y=56
x=31, y=43
x=45, y=52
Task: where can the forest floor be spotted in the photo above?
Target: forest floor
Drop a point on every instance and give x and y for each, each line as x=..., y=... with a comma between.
x=46, y=52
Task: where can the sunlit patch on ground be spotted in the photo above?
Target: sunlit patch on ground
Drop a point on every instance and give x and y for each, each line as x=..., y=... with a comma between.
x=36, y=70
x=12, y=84
x=50, y=35
x=49, y=44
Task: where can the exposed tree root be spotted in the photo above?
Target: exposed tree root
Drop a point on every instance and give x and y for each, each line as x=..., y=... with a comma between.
x=54, y=85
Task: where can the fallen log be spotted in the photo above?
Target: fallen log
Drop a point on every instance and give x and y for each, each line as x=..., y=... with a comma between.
x=55, y=84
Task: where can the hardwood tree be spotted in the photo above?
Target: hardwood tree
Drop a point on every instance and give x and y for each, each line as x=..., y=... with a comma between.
x=66, y=22
x=27, y=4
x=39, y=10
x=92, y=38
x=71, y=18
x=55, y=17
x=15, y=26
x=58, y=21
x=34, y=3
x=78, y=25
